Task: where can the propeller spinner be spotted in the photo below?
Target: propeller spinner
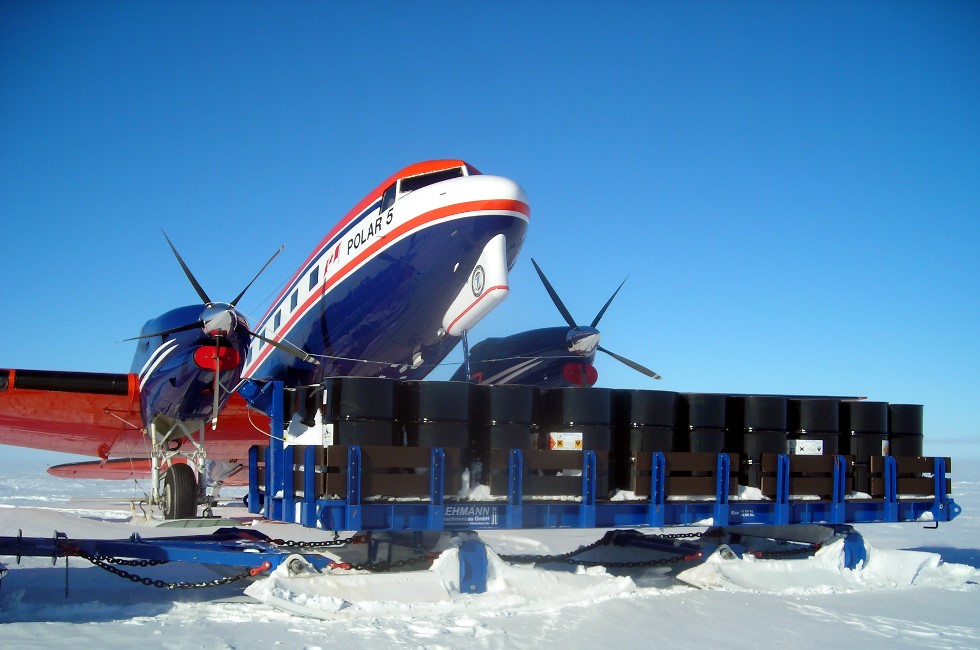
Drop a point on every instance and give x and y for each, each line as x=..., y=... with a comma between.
x=584, y=340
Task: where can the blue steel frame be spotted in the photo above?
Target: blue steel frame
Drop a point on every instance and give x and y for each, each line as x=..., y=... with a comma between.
x=354, y=513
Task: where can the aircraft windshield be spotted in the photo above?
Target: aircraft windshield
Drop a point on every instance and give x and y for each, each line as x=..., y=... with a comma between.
x=413, y=183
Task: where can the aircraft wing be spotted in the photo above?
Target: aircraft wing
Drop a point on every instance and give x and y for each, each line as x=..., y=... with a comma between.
x=128, y=469
x=98, y=414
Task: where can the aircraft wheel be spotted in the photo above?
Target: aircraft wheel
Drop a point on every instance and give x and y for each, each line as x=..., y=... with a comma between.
x=179, y=492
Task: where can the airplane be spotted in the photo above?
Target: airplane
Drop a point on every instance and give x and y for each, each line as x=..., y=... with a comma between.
x=388, y=292
x=550, y=357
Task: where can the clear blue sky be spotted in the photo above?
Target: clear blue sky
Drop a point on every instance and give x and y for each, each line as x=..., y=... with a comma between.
x=793, y=188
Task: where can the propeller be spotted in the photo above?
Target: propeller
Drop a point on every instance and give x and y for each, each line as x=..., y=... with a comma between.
x=219, y=319
x=583, y=340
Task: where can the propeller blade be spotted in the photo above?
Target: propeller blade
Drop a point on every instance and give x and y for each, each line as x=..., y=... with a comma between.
x=288, y=348
x=172, y=330
x=554, y=296
x=602, y=311
x=187, y=271
x=234, y=303
x=632, y=364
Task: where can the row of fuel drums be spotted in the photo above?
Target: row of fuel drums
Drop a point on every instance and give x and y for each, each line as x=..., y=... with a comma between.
x=479, y=418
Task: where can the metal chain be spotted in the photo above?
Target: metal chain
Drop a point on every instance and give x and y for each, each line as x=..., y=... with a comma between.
x=379, y=567
x=355, y=539
x=122, y=562
x=674, y=559
x=107, y=563
x=551, y=559
x=546, y=559
x=682, y=535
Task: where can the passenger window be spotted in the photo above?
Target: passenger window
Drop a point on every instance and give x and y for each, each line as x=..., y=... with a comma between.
x=278, y=321
x=294, y=300
x=314, y=277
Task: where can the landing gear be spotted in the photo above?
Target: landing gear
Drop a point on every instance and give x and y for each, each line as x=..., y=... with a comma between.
x=179, y=497
x=179, y=444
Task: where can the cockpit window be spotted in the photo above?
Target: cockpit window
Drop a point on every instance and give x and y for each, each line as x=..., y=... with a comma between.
x=413, y=183
x=388, y=199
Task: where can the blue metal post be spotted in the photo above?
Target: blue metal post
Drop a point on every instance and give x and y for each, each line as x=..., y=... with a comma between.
x=781, y=515
x=855, y=553
x=656, y=513
x=267, y=502
x=473, y=566
x=891, y=489
x=940, y=511
x=289, y=484
x=309, y=487
x=838, y=508
x=254, y=500
x=587, y=509
x=353, y=488
x=278, y=454
x=721, y=490
x=515, y=489
x=437, y=478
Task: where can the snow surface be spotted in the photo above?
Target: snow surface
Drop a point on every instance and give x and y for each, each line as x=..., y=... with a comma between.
x=918, y=589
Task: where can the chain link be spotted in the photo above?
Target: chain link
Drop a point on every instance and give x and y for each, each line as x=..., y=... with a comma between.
x=108, y=564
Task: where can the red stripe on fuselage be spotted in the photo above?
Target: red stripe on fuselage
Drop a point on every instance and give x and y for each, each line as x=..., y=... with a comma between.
x=424, y=219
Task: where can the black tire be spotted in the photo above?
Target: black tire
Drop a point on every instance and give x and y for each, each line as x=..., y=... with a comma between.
x=179, y=492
